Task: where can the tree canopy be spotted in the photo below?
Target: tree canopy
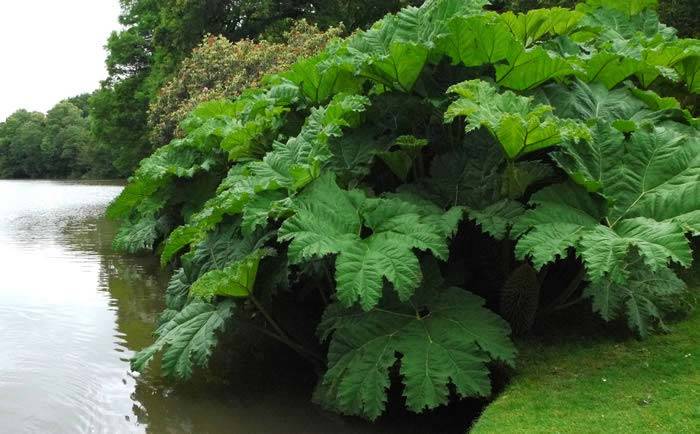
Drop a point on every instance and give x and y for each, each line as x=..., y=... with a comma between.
x=159, y=35
x=137, y=107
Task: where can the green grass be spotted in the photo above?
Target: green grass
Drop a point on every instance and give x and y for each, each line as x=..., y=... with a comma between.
x=573, y=382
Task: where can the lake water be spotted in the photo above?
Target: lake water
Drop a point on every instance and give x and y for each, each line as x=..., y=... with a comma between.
x=72, y=313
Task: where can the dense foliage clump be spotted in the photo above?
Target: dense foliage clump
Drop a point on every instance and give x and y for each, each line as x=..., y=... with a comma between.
x=417, y=178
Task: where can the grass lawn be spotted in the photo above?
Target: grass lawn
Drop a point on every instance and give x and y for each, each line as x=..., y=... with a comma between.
x=587, y=381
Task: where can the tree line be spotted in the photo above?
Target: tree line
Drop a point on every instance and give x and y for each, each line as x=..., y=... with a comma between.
x=171, y=55
x=58, y=144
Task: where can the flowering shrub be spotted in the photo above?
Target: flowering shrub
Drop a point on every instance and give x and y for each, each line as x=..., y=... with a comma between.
x=219, y=68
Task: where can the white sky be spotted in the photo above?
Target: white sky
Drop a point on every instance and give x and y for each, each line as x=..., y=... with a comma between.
x=51, y=50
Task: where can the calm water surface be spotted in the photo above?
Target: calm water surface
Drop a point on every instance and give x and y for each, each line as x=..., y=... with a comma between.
x=72, y=313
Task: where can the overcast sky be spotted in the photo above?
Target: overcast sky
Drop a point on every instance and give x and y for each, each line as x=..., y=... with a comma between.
x=51, y=50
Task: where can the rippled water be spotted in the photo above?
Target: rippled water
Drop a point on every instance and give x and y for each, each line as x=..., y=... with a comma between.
x=71, y=315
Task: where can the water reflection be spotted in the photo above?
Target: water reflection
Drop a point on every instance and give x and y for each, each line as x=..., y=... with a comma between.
x=71, y=315
x=58, y=364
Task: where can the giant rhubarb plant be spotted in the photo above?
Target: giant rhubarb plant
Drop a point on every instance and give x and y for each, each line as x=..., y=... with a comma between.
x=347, y=179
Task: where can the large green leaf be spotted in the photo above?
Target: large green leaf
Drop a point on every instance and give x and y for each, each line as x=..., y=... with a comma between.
x=258, y=210
x=136, y=236
x=222, y=246
x=591, y=101
x=245, y=140
x=319, y=78
x=178, y=159
x=477, y=40
x=426, y=24
x=660, y=60
x=326, y=220
x=329, y=220
x=651, y=174
x=519, y=125
x=638, y=298
x=445, y=341
x=650, y=181
x=531, y=26
x=234, y=280
x=593, y=163
x=659, y=177
x=236, y=190
x=178, y=290
x=605, y=249
x=662, y=108
x=361, y=267
x=567, y=216
x=383, y=55
x=520, y=175
x=563, y=214
x=608, y=68
x=527, y=68
x=186, y=339
x=689, y=69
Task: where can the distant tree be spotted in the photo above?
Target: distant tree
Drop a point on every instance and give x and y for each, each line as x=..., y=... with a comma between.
x=118, y=114
x=356, y=14
x=81, y=101
x=66, y=137
x=56, y=145
x=21, y=136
